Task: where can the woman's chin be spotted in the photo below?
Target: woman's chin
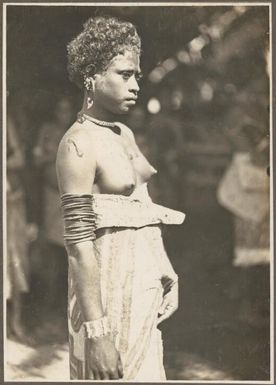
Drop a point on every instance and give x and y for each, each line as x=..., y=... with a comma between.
x=124, y=110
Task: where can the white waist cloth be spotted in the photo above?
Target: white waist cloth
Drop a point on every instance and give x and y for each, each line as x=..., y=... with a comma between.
x=132, y=261
x=122, y=211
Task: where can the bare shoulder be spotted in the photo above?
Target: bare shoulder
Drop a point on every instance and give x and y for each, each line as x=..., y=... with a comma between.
x=76, y=161
x=76, y=143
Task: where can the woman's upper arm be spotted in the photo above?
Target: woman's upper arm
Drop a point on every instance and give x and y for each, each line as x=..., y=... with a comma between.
x=75, y=164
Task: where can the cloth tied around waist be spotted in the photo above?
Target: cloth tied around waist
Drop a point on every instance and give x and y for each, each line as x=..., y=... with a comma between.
x=113, y=210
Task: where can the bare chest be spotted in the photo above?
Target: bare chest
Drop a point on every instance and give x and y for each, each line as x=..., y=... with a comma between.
x=121, y=166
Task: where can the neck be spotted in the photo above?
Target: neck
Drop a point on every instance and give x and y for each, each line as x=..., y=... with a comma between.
x=97, y=112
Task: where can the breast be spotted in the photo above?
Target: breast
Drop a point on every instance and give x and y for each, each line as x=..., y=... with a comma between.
x=115, y=173
x=116, y=186
x=116, y=177
x=143, y=168
x=121, y=168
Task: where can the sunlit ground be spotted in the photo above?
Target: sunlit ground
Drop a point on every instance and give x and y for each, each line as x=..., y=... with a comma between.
x=50, y=362
x=47, y=362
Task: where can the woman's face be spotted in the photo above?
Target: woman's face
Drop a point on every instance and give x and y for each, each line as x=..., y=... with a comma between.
x=116, y=89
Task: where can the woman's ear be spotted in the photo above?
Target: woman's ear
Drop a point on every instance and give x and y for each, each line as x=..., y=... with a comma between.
x=96, y=77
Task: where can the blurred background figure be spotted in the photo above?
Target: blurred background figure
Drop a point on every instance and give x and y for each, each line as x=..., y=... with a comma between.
x=244, y=191
x=18, y=234
x=53, y=256
x=166, y=138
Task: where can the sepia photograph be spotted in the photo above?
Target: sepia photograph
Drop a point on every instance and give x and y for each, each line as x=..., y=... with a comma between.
x=137, y=192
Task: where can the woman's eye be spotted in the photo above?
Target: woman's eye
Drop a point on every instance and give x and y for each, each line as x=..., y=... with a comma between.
x=126, y=75
x=138, y=77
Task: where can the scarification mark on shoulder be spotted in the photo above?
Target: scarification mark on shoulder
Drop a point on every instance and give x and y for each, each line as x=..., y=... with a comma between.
x=79, y=153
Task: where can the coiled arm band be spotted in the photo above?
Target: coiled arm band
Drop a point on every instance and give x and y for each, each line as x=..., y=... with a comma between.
x=79, y=218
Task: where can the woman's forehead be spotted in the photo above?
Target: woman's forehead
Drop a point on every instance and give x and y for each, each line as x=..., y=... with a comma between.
x=128, y=60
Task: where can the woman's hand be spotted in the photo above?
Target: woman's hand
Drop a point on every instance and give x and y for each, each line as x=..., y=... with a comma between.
x=169, y=304
x=103, y=361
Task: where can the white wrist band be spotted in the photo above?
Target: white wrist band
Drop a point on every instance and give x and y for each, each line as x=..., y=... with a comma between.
x=97, y=328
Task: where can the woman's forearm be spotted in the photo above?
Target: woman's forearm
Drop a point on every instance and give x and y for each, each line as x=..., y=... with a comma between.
x=86, y=279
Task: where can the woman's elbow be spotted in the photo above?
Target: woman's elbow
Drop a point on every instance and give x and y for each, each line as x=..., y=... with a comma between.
x=79, y=250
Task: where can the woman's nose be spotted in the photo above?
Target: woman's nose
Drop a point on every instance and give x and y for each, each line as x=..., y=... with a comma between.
x=133, y=85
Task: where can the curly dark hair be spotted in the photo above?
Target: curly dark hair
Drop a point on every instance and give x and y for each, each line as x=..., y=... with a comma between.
x=101, y=39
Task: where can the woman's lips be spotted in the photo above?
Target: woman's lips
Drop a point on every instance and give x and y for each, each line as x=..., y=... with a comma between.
x=131, y=101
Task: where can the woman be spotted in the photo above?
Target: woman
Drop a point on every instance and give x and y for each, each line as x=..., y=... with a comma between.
x=121, y=283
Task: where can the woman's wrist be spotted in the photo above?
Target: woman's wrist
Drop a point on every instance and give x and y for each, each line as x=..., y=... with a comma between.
x=96, y=328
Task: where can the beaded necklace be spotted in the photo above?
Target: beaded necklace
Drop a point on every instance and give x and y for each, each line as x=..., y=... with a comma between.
x=82, y=117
